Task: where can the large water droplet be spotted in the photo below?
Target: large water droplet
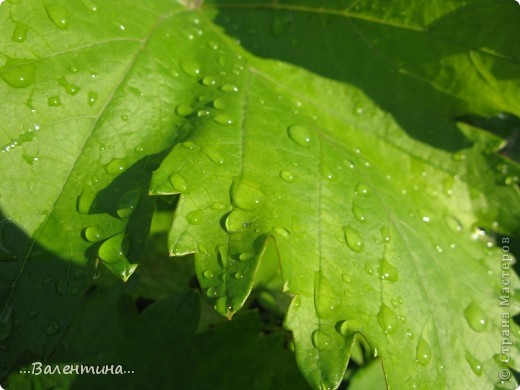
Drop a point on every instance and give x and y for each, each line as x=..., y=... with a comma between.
x=195, y=217
x=387, y=319
x=57, y=14
x=53, y=328
x=85, y=201
x=238, y=221
x=114, y=249
x=6, y=322
x=18, y=74
x=178, y=182
x=387, y=271
x=475, y=317
x=300, y=134
x=245, y=195
x=127, y=204
x=474, y=363
x=93, y=233
x=190, y=67
x=321, y=340
x=423, y=352
x=353, y=239
x=20, y=32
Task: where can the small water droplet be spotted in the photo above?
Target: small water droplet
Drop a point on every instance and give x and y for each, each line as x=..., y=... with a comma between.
x=423, y=353
x=92, y=98
x=300, y=135
x=18, y=74
x=209, y=81
x=245, y=195
x=85, y=201
x=219, y=104
x=353, y=239
x=207, y=274
x=57, y=14
x=396, y=301
x=115, y=167
x=61, y=286
x=93, y=233
x=359, y=214
x=287, y=176
x=385, y=234
x=387, y=271
x=282, y=232
x=238, y=221
x=223, y=119
x=178, y=182
x=190, y=67
x=453, y=223
x=218, y=206
x=214, y=154
x=321, y=340
x=53, y=328
x=184, y=109
x=90, y=5
x=387, y=320
x=348, y=327
x=459, y=156
x=71, y=89
x=362, y=189
x=474, y=363
x=20, y=32
x=195, y=217
x=346, y=278
x=238, y=275
x=229, y=88
x=114, y=249
x=54, y=101
x=31, y=160
x=369, y=269
x=124, y=117
x=245, y=256
x=475, y=317
x=127, y=204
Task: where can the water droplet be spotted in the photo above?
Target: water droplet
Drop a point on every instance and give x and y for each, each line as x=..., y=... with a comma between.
x=396, y=301
x=54, y=101
x=209, y=81
x=207, y=274
x=300, y=134
x=184, y=109
x=57, y=14
x=90, y=5
x=124, y=117
x=214, y=155
x=287, y=176
x=31, y=160
x=474, y=363
x=178, y=182
x=223, y=119
x=195, y=217
x=459, y=156
x=85, y=201
x=510, y=180
x=18, y=74
x=224, y=305
x=475, y=317
x=93, y=233
x=321, y=340
x=127, y=204
x=359, y=214
x=348, y=327
x=346, y=278
x=219, y=104
x=387, y=271
x=53, y=328
x=282, y=232
x=238, y=221
x=218, y=206
x=190, y=67
x=387, y=320
x=92, y=97
x=353, y=239
x=229, y=88
x=71, y=89
x=61, y=286
x=238, y=275
x=114, y=249
x=6, y=322
x=362, y=189
x=326, y=172
x=245, y=256
x=369, y=269
x=114, y=167
x=20, y=33
x=453, y=223
x=245, y=195
x=423, y=352
x=385, y=234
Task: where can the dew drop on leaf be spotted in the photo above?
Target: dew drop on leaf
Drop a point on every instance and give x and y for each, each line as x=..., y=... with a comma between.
x=214, y=155
x=245, y=196
x=71, y=89
x=195, y=217
x=387, y=271
x=387, y=319
x=20, y=33
x=223, y=119
x=90, y=5
x=229, y=88
x=127, y=204
x=423, y=352
x=190, y=67
x=353, y=239
x=57, y=14
x=184, y=109
x=385, y=234
x=238, y=221
x=115, y=167
x=359, y=214
x=219, y=104
x=475, y=317
x=18, y=75
x=61, y=286
x=207, y=274
x=321, y=340
x=53, y=328
x=54, y=101
x=93, y=234
x=6, y=322
x=178, y=182
x=287, y=176
x=369, y=269
x=282, y=232
x=209, y=81
x=114, y=249
x=453, y=223
x=474, y=363
x=238, y=275
x=85, y=201
x=92, y=98
x=348, y=327
x=245, y=256
x=218, y=206
x=362, y=189
x=300, y=135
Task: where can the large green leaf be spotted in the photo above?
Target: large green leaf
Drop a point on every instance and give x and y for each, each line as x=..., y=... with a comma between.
x=343, y=148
